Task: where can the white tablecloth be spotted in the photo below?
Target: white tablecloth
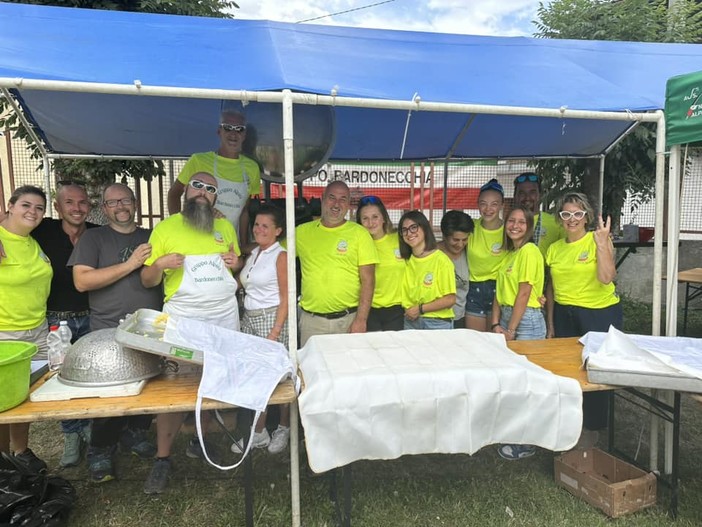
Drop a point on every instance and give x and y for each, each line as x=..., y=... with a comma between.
x=384, y=395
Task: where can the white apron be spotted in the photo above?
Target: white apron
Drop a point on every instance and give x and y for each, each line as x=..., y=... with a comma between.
x=207, y=292
x=231, y=196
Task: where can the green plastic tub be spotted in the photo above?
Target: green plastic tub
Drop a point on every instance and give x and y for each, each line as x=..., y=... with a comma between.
x=15, y=368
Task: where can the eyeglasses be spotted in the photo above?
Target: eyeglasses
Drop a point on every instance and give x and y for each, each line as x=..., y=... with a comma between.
x=238, y=128
x=368, y=200
x=199, y=185
x=112, y=203
x=409, y=230
x=567, y=215
x=528, y=176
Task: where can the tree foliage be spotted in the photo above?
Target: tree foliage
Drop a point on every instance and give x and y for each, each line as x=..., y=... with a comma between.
x=630, y=167
x=97, y=173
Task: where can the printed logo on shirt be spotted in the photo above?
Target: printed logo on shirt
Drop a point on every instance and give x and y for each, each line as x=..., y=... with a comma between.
x=218, y=238
x=496, y=248
x=584, y=256
x=126, y=252
x=398, y=255
x=428, y=279
x=342, y=247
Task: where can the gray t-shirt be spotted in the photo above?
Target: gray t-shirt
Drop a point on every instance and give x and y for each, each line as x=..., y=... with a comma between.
x=460, y=265
x=103, y=247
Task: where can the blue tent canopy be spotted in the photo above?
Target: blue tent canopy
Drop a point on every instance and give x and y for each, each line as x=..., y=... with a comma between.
x=119, y=48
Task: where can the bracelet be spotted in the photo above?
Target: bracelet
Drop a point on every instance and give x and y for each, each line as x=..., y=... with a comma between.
x=510, y=331
x=279, y=328
x=494, y=325
x=421, y=309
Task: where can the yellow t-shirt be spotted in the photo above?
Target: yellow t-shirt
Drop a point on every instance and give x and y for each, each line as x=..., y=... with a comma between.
x=389, y=272
x=523, y=265
x=330, y=259
x=573, y=269
x=550, y=231
x=25, y=282
x=427, y=279
x=485, y=253
x=227, y=168
x=173, y=235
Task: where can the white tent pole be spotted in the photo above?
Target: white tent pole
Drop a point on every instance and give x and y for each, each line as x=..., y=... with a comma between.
x=671, y=300
x=288, y=141
x=600, y=192
x=137, y=88
x=47, y=186
x=658, y=239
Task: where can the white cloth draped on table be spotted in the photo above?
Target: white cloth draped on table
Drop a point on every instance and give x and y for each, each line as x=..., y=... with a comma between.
x=384, y=395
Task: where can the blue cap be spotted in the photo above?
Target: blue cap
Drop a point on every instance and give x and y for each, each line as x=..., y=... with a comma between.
x=493, y=184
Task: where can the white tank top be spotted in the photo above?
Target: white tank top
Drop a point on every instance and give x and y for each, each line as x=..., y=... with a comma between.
x=260, y=279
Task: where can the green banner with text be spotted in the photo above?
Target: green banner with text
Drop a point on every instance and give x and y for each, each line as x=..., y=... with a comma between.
x=683, y=109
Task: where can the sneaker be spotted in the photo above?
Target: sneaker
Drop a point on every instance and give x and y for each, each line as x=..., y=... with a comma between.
x=194, y=450
x=260, y=440
x=136, y=442
x=86, y=433
x=100, y=464
x=279, y=439
x=72, y=447
x=30, y=461
x=158, y=477
x=514, y=452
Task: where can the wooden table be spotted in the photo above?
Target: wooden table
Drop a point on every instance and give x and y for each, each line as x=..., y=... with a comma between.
x=559, y=356
x=692, y=278
x=163, y=394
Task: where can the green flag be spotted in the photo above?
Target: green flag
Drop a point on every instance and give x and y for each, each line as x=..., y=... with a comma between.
x=683, y=109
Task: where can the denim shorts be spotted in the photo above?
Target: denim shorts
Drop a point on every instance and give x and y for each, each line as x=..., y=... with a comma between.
x=480, y=297
x=531, y=327
x=429, y=323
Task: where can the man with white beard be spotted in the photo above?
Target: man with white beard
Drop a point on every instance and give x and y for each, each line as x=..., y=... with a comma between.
x=195, y=255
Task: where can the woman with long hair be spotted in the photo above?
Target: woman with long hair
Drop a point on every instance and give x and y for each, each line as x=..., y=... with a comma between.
x=516, y=310
x=386, y=313
x=25, y=282
x=429, y=283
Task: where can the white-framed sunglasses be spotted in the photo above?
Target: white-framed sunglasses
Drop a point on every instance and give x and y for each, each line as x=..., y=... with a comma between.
x=238, y=128
x=199, y=185
x=566, y=215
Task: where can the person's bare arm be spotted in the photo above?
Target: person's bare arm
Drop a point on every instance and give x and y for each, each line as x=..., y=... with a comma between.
x=443, y=302
x=606, y=269
x=151, y=275
x=520, y=305
x=175, y=195
x=281, y=315
x=88, y=278
x=367, y=275
x=243, y=233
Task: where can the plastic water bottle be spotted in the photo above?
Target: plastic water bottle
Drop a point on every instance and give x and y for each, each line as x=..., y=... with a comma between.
x=66, y=336
x=55, y=355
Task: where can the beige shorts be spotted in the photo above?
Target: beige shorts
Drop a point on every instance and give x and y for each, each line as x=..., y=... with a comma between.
x=35, y=336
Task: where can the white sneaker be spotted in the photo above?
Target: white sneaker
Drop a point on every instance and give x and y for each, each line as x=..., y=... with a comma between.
x=260, y=440
x=279, y=440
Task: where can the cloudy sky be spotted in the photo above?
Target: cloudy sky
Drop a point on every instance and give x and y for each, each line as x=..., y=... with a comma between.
x=477, y=17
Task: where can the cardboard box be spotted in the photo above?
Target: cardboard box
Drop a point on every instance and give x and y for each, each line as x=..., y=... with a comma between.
x=604, y=481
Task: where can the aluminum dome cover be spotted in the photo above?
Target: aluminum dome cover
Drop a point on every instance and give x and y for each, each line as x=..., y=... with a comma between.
x=96, y=359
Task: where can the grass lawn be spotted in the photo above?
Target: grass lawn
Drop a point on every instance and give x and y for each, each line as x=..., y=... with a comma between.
x=430, y=490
